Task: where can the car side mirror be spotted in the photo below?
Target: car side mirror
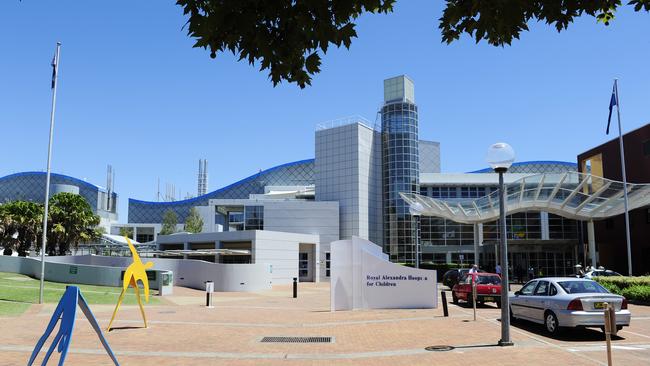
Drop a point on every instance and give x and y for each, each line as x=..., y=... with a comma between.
x=517, y=293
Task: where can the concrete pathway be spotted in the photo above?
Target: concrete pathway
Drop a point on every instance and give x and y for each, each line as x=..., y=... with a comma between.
x=183, y=332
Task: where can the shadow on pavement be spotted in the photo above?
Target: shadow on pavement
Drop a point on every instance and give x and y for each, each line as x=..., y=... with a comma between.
x=566, y=335
x=124, y=328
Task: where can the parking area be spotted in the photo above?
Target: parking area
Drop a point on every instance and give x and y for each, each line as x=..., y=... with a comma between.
x=182, y=331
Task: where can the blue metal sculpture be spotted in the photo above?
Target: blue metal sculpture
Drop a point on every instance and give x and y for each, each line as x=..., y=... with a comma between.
x=66, y=311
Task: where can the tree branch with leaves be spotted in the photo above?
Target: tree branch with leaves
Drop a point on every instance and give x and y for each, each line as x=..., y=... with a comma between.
x=289, y=37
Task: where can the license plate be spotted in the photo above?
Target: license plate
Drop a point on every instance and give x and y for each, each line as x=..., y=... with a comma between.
x=599, y=305
x=488, y=299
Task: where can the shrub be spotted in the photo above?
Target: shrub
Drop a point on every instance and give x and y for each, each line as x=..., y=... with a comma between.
x=637, y=293
x=636, y=289
x=623, y=282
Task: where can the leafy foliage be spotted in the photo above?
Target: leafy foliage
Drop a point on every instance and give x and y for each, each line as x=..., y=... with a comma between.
x=635, y=289
x=499, y=22
x=637, y=293
x=170, y=220
x=71, y=221
x=194, y=221
x=24, y=219
x=287, y=37
x=126, y=231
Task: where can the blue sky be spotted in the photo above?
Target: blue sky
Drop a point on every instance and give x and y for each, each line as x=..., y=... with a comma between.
x=134, y=94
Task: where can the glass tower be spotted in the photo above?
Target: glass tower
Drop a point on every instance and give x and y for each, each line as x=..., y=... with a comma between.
x=400, y=167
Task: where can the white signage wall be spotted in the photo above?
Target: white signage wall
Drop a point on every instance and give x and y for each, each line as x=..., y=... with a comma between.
x=362, y=277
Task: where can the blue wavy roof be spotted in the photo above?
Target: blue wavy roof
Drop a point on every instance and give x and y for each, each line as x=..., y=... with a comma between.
x=63, y=176
x=212, y=193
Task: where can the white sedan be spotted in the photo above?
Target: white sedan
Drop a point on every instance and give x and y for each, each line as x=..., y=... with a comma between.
x=560, y=302
x=600, y=273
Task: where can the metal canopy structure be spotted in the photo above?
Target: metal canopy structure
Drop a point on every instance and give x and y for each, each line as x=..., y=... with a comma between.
x=573, y=195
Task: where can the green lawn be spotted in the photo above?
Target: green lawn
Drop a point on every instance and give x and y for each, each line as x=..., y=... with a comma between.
x=18, y=291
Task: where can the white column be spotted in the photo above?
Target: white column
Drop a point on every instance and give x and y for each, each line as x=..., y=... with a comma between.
x=478, y=238
x=591, y=239
x=544, y=222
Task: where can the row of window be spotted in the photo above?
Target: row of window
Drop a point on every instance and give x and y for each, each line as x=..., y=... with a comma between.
x=455, y=192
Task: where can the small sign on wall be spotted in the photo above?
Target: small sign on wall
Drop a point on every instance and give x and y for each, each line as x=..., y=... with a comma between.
x=74, y=269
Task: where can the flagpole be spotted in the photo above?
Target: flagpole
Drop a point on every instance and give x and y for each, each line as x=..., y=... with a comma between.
x=627, y=214
x=49, y=160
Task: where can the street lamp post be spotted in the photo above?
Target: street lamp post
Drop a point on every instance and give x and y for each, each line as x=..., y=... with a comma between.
x=500, y=156
x=416, y=211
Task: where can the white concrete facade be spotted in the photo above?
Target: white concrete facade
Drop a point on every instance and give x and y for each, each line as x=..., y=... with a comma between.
x=348, y=170
x=320, y=219
x=280, y=250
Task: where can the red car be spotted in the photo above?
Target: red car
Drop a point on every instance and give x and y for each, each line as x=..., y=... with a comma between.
x=488, y=289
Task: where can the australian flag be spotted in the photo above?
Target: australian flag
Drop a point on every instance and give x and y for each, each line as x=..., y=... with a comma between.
x=54, y=71
x=612, y=102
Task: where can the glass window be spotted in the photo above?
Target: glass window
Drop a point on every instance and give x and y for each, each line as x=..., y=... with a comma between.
x=254, y=217
x=542, y=289
x=582, y=287
x=488, y=280
x=303, y=264
x=328, y=264
x=552, y=291
x=528, y=288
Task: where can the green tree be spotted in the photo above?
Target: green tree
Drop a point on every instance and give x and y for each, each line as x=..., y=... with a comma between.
x=71, y=221
x=194, y=221
x=170, y=220
x=288, y=37
x=24, y=219
x=126, y=231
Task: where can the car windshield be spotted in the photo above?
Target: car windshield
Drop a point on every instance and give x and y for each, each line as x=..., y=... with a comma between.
x=488, y=280
x=582, y=287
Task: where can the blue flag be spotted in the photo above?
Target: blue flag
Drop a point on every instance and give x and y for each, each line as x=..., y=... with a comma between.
x=612, y=102
x=54, y=70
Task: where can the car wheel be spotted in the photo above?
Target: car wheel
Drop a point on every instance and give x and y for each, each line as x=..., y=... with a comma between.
x=454, y=298
x=512, y=316
x=470, y=300
x=551, y=324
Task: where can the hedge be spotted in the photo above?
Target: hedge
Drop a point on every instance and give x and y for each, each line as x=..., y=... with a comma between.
x=637, y=293
x=635, y=289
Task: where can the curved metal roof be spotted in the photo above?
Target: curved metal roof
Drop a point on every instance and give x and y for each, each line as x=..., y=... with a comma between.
x=212, y=193
x=53, y=176
x=571, y=194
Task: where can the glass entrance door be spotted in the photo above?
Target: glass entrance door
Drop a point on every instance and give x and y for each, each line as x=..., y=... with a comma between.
x=303, y=267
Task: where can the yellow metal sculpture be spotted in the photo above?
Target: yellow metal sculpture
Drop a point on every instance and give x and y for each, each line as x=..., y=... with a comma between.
x=134, y=273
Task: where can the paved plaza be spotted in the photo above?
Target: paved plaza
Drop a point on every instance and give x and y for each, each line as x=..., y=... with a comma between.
x=182, y=331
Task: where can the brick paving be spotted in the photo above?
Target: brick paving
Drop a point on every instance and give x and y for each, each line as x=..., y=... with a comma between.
x=183, y=332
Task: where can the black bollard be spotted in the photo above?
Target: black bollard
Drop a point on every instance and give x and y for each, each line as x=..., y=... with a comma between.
x=295, y=287
x=445, y=311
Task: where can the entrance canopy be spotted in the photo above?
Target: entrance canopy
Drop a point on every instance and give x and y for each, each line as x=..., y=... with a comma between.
x=573, y=195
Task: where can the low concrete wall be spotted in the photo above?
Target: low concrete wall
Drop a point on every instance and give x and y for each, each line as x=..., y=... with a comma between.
x=68, y=272
x=190, y=272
